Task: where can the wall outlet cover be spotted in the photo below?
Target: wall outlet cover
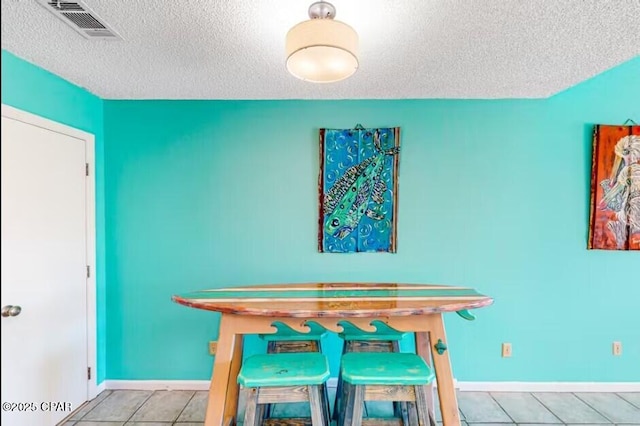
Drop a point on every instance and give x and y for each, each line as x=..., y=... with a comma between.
x=617, y=348
x=506, y=350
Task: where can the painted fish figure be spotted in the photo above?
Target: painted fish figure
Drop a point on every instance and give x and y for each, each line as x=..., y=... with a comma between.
x=349, y=197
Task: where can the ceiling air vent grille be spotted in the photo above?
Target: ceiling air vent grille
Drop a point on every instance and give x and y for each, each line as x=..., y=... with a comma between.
x=82, y=19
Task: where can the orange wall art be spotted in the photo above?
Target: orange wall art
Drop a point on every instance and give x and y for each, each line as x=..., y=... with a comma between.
x=615, y=188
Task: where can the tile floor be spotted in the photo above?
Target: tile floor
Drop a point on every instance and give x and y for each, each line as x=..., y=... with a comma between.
x=186, y=408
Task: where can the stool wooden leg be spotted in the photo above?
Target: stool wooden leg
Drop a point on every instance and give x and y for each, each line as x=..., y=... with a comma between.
x=345, y=408
x=355, y=406
x=339, y=401
x=412, y=414
x=422, y=405
x=317, y=407
x=261, y=413
x=325, y=401
x=401, y=411
x=266, y=411
x=250, y=413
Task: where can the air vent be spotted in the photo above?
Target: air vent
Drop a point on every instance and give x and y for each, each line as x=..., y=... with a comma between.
x=82, y=19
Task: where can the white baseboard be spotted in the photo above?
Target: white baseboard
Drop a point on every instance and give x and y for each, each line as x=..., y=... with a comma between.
x=157, y=384
x=549, y=386
x=462, y=386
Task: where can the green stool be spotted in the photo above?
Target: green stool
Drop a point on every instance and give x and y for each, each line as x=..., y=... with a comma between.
x=287, y=340
x=284, y=378
x=384, y=339
x=385, y=376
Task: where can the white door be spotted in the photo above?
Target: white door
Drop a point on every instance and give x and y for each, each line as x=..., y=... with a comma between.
x=44, y=346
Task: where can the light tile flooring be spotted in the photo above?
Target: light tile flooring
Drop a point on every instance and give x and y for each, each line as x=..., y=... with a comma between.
x=186, y=408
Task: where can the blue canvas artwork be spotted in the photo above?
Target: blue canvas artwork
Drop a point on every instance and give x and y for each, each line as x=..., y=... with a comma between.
x=358, y=188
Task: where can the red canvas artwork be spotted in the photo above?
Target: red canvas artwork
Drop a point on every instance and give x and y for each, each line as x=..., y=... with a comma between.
x=615, y=188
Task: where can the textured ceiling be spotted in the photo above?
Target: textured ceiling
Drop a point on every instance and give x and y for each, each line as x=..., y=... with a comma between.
x=234, y=49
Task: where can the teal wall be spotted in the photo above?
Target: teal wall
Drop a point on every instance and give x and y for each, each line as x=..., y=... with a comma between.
x=493, y=194
x=30, y=88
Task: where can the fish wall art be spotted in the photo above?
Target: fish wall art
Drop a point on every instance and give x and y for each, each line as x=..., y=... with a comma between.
x=358, y=190
x=615, y=188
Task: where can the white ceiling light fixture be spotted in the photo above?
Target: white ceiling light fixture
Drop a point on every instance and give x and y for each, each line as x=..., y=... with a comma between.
x=322, y=50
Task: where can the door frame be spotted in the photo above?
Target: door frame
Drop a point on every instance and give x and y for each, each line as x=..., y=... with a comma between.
x=89, y=143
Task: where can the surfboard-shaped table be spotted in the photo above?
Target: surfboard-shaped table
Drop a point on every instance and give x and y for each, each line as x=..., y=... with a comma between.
x=413, y=308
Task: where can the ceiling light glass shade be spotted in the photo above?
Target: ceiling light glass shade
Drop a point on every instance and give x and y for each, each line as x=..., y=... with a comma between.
x=322, y=51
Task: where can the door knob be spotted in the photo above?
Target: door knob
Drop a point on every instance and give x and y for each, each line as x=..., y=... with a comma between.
x=11, y=311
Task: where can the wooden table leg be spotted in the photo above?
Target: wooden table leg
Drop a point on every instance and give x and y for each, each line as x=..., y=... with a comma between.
x=223, y=391
x=444, y=376
x=233, y=389
x=423, y=348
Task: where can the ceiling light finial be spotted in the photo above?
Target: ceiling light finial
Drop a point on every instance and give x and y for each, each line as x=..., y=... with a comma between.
x=322, y=10
x=322, y=50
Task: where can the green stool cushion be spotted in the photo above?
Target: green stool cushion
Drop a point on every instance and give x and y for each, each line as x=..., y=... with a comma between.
x=385, y=368
x=286, y=333
x=287, y=369
x=383, y=332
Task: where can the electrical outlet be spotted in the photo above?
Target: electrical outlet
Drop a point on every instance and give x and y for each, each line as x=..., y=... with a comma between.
x=617, y=348
x=213, y=346
x=506, y=350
